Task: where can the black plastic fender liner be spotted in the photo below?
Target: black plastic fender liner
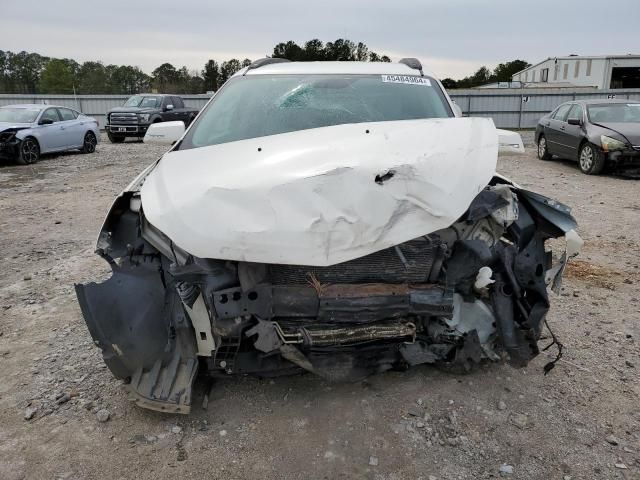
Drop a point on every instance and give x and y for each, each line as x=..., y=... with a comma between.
x=124, y=317
x=511, y=337
x=519, y=299
x=143, y=333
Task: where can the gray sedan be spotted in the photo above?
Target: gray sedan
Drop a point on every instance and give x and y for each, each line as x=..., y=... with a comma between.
x=29, y=130
x=595, y=133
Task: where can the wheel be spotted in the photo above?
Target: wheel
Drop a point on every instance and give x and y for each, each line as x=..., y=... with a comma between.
x=590, y=159
x=90, y=142
x=29, y=151
x=543, y=153
x=115, y=138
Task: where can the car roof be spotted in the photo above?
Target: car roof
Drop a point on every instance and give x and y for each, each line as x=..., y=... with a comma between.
x=600, y=101
x=39, y=106
x=337, y=68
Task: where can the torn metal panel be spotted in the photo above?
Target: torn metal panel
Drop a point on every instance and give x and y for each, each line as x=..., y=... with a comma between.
x=310, y=197
x=573, y=245
x=474, y=316
x=202, y=324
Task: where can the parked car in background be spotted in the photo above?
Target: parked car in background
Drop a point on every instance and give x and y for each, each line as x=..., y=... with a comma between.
x=30, y=130
x=339, y=218
x=592, y=132
x=140, y=111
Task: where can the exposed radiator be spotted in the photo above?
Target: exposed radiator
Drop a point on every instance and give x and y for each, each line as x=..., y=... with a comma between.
x=410, y=262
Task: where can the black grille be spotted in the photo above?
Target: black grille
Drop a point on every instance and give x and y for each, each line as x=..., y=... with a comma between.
x=412, y=264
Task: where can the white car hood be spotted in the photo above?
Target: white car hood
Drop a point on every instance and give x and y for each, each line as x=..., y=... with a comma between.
x=310, y=197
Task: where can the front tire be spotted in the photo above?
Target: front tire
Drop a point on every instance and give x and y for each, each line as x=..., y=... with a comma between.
x=29, y=151
x=115, y=138
x=590, y=159
x=90, y=142
x=543, y=151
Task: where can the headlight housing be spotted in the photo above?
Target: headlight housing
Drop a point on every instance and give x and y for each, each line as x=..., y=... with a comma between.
x=610, y=144
x=144, y=117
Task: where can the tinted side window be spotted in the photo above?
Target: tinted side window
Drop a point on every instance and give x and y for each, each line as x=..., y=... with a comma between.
x=561, y=113
x=177, y=102
x=50, y=114
x=66, y=114
x=576, y=112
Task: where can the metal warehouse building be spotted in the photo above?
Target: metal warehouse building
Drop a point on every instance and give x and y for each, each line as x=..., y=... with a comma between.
x=605, y=71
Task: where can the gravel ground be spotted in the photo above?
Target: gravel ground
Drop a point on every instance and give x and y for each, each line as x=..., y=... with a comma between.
x=62, y=415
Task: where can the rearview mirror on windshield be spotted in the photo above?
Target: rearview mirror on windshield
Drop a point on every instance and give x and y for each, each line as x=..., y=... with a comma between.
x=164, y=133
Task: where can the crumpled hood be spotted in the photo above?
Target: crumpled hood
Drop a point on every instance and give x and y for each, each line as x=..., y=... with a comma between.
x=13, y=126
x=311, y=198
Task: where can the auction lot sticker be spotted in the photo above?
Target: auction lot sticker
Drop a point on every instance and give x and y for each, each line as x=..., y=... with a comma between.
x=408, y=79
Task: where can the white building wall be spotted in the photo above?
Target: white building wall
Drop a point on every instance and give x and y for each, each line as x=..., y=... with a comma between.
x=599, y=75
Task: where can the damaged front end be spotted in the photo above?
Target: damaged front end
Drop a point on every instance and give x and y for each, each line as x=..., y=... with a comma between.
x=9, y=144
x=475, y=290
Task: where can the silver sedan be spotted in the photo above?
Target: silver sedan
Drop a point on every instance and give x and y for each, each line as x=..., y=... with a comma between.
x=30, y=130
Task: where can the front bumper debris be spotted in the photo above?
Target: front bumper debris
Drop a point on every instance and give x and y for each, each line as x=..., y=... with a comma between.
x=624, y=159
x=9, y=146
x=475, y=291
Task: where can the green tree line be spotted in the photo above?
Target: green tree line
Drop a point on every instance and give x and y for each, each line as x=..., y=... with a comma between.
x=28, y=73
x=502, y=73
x=32, y=73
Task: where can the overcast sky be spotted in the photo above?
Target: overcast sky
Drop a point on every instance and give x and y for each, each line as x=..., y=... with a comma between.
x=453, y=37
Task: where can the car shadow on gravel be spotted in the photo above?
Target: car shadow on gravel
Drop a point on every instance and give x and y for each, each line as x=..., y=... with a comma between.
x=4, y=163
x=632, y=174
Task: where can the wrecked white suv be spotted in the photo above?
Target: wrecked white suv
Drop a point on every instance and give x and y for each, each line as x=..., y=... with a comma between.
x=332, y=217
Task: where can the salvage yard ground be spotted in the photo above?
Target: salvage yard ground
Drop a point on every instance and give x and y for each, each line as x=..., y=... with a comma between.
x=62, y=414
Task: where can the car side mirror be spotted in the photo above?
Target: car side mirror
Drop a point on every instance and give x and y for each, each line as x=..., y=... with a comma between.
x=45, y=121
x=574, y=121
x=457, y=111
x=168, y=107
x=164, y=133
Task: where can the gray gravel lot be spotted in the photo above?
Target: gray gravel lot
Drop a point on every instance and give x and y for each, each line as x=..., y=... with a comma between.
x=62, y=415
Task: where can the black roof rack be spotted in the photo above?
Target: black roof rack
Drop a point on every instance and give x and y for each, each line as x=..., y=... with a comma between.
x=412, y=63
x=266, y=61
